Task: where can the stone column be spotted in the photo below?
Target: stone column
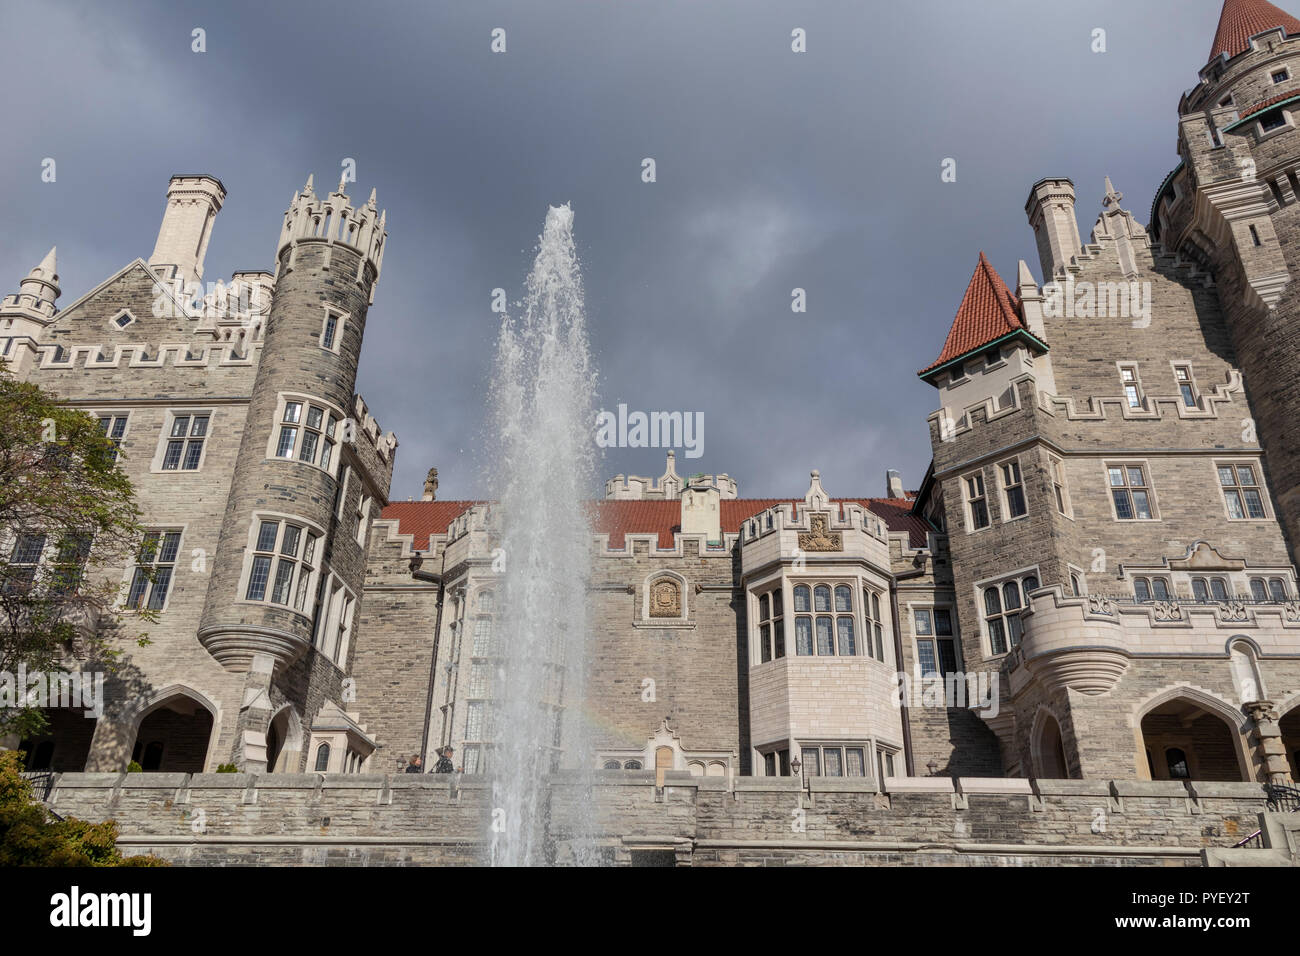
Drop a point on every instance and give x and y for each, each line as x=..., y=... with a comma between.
x=255, y=717
x=1267, y=739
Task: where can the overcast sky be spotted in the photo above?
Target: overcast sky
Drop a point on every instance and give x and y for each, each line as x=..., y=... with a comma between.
x=775, y=170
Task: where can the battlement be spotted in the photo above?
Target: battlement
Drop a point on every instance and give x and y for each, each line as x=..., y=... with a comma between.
x=334, y=220
x=666, y=487
x=384, y=445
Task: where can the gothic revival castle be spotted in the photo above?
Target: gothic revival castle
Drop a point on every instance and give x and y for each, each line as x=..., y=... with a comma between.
x=1102, y=553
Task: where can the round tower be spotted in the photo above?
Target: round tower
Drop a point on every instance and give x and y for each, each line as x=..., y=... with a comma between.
x=1232, y=206
x=277, y=533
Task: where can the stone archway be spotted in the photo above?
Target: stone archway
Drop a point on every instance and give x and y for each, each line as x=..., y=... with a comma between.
x=1185, y=737
x=64, y=744
x=1047, y=748
x=174, y=735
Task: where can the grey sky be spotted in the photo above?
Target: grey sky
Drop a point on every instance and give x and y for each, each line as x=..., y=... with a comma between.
x=775, y=170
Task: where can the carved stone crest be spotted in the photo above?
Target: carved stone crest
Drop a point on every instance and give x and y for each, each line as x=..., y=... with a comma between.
x=665, y=598
x=1099, y=604
x=1233, y=612
x=819, y=537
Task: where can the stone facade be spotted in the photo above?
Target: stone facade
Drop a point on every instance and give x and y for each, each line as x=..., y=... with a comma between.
x=1091, y=594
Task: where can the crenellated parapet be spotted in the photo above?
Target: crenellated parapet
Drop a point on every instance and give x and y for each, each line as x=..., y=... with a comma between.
x=335, y=221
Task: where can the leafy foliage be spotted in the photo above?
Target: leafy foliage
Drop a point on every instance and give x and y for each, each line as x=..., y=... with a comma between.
x=31, y=836
x=68, y=523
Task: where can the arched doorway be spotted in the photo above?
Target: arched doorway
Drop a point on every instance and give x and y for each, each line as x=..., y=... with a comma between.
x=173, y=736
x=1184, y=739
x=1049, y=749
x=1289, y=725
x=63, y=745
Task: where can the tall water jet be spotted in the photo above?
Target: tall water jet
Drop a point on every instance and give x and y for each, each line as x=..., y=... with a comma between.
x=543, y=410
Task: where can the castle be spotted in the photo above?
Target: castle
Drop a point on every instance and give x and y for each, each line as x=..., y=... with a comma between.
x=1095, y=579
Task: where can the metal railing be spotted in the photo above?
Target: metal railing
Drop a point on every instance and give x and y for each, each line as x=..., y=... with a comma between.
x=1282, y=799
x=42, y=782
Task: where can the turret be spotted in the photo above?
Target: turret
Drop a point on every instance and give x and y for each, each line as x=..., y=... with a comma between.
x=284, y=577
x=25, y=315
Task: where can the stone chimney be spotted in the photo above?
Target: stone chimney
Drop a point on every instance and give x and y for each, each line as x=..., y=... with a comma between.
x=193, y=202
x=1051, y=214
x=430, y=485
x=894, y=484
x=702, y=509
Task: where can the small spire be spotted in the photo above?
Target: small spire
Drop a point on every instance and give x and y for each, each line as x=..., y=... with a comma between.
x=374, y=197
x=343, y=180
x=48, y=267
x=1024, y=277
x=1112, y=197
x=307, y=190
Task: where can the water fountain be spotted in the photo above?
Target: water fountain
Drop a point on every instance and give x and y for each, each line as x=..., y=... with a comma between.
x=543, y=409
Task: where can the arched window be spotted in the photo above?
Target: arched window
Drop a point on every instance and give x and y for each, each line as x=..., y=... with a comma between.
x=821, y=598
x=1002, y=608
x=322, y=758
x=612, y=765
x=632, y=765
x=1030, y=584
x=1219, y=589
x=1160, y=588
x=771, y=627
x=1258, y=590
x=801, y=598
x=1277, y=588
x=1199, y=591
x=1176, y=760
x=848, y=643
x=1141, y=589
x=843, y=599
x=487, y=601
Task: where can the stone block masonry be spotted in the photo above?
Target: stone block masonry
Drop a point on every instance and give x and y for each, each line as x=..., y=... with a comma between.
x=377, y=819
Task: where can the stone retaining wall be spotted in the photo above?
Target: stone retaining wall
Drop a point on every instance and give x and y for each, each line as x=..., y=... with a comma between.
x=400, y=819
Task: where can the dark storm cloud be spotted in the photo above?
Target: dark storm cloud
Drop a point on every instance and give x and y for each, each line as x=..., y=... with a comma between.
x=775, y=170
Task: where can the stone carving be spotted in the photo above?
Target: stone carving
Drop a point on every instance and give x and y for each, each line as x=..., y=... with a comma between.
x=819, y=537
x=1168, y=611
x=1097, y=604
x=1232, y=612
x=665, y=598
x=1291, y=610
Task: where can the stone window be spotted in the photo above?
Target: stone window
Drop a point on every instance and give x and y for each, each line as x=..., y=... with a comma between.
x=123, y=319
x=322, y=758
x=331, y=329
x=1013, y=489
x=1130, y=491
x=183, y=448
x=1149, y=589
x=307, y=432
x=936, y=645
x=1275, y=119
x=363, y=519
x=1003, y=603
x=335, y=620
x=155, y=565
x=873, y=624
x=771, y=626
x=1274, y=591
x=1059, y=488
x=112, y=425
x=1206, y=589
x=283, y=563
x=23, y=562
x=885, y=762
x=1241, y=490
x=831, y=620
x=833, y=761
x=1128, y=375
x=1281, y=76
x=977, y=508
x=1186, y=386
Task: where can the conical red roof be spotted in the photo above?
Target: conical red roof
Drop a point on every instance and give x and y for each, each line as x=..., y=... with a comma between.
x=1243, y=19
x=988, y=311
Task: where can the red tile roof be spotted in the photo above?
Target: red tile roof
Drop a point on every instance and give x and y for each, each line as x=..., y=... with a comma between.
x=988, y=311
x=1243, y=19
x=423, y=518
x=662, y=518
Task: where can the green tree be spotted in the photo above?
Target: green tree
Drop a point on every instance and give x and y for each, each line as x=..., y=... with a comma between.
x=32, y=836
x=68, y=523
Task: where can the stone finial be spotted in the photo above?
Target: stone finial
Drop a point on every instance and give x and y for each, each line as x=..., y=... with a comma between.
x=894, y=484
x=431, y=485
x=1113, y=197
